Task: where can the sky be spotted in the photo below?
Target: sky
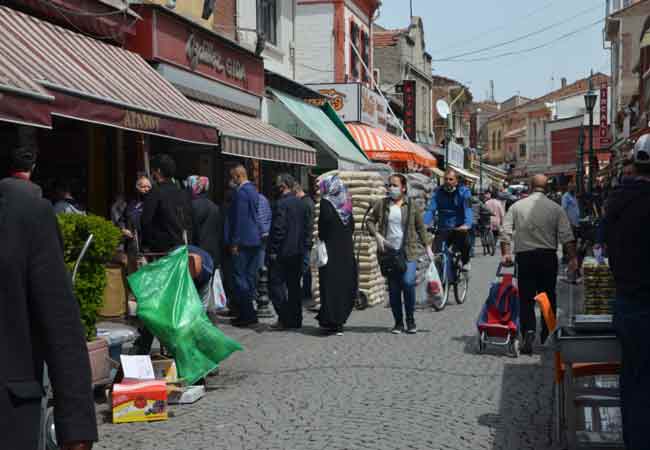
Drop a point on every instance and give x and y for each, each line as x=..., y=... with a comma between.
x=456, y=27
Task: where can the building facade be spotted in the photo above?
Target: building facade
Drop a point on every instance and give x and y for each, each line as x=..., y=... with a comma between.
x=401, y=55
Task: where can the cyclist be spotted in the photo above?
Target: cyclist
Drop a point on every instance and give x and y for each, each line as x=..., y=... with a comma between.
x=451, y=205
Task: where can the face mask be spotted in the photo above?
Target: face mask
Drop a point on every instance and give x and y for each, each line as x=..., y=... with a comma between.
x=394, y=192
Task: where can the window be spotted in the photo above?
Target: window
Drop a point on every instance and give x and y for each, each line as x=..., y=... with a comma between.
x=494, y=141
x=534, y=143
x=268, y=20
x=499, y=140
x=522, y=150
x=355, y=38
x=365, y=54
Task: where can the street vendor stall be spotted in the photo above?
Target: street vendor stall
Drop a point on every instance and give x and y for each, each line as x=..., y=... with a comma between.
x=587, y=364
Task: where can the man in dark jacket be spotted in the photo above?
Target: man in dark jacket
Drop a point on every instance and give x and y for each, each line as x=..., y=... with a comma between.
x=39, y=322
x=22, y=161
x=167, y=212
x=207, y=219
x=628, y=244
x=245, y=240
x=288, y=242
x=309, y=204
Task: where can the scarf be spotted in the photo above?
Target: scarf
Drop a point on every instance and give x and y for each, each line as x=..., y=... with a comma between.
x=197, y=185
x=334, y=191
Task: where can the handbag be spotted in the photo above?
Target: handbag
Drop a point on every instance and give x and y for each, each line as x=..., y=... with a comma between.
x=393, y=262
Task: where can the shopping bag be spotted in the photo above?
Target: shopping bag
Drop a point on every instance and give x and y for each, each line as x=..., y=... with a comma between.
x=170, y=308
x=318, y=257
x=434, y=286
x=218, y=299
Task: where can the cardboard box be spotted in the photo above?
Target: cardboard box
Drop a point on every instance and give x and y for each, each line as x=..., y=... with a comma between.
x=139, y=401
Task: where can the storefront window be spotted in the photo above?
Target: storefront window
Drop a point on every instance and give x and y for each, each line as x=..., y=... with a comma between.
x=268, y=20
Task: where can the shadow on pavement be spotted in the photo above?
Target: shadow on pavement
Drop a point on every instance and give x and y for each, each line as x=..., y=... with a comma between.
x=524, y=418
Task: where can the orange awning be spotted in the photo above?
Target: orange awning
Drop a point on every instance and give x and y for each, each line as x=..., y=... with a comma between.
x=380, y=145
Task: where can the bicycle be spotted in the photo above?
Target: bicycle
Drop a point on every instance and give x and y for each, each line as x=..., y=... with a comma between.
x=450, y=268
x=487, y=241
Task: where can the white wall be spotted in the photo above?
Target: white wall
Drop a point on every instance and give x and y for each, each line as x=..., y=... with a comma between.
x=315, y=43
x=277, y=58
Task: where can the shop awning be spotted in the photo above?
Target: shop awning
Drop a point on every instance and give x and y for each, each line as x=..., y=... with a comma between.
x=465, y=173
x=313, y=118
x=96, y=82
x=384, y=146
x=249, y=137
x=22, y=101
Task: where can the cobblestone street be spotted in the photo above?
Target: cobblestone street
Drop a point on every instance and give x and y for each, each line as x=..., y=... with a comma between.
x=368, y=389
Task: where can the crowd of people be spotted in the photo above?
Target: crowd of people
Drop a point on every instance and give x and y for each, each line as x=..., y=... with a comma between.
x=250, y=232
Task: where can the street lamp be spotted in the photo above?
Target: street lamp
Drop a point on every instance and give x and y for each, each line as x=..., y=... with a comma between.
x=590, y=103
x=448, y=137
x=580, y=184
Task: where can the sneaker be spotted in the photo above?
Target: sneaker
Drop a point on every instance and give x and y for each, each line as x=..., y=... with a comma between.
x=467, y=267
x=398, y=329
x=410, y=327
x=339, y=331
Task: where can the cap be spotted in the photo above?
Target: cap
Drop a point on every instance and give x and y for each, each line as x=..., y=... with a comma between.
x=641, y=154
x=22, y=158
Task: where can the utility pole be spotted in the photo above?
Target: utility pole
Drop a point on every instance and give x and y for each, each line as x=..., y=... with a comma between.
x=411, y=5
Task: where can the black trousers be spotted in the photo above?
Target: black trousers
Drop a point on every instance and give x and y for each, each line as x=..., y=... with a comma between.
x=285, y=291
x=536, y=273
x=458, y=239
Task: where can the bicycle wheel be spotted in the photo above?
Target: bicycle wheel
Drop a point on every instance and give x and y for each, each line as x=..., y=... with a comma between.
x=461, y=286
x=440, y=302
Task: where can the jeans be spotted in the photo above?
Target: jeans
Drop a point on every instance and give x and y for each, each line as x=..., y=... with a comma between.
x=458, y=239
x=536, y=273
x=245, y=267
x=398, y=284
x=631, y=321
x=284, y=290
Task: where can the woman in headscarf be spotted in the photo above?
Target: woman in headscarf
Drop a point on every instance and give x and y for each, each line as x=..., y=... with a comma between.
x=207, y=219
x=338, y=278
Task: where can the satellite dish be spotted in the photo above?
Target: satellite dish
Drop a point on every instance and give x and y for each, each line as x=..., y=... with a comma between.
x=443, y=108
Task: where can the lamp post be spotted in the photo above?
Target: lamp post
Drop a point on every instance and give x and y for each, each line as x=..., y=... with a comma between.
x=448, y=137
x=479, y=152
x=579, y=162
x=590, y=103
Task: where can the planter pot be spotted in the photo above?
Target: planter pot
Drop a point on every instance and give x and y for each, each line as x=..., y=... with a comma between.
x=100, y=363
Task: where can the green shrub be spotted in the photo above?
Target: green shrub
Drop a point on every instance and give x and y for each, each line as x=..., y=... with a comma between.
x=91, y=276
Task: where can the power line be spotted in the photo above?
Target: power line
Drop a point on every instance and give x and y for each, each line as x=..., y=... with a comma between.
x=530, y=49
x=497, y=28
x=519, y=38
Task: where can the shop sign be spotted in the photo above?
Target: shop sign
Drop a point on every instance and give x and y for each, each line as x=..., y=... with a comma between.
x=408, y=94
x=201, y=51
x=140, y=121
x=605, y=140
x=355, y=103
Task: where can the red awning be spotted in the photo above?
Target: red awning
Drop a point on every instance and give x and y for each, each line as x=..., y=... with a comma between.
x=251, y=138
x=22, y=101
x=380, y=145
x=99, y=83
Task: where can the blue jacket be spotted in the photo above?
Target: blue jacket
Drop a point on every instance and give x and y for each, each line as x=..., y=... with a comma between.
x=243, y=228
x=453, y=209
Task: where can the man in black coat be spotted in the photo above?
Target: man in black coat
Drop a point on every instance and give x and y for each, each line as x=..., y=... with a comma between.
x=39, y=322
x=288, y=242
x=167, y=212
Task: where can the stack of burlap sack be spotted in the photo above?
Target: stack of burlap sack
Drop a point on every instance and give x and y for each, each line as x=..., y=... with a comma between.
x=366, y=187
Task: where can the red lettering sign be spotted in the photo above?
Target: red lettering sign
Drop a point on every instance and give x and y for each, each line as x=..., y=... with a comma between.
x=409, y=109
x=604, y=125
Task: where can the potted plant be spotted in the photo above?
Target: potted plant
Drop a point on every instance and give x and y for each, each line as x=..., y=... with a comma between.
x=90, y=282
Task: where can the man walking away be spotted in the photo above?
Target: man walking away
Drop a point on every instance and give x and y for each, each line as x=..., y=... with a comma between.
x=306, y=272
x=498, y=213
x=39, y=322
x=22, y=161
x=288, y=243
x=245, y=241
x=535, y=225
x=628, y=241
x=167, y=211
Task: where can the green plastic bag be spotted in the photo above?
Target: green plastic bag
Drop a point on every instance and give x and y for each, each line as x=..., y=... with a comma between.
x=170, y=308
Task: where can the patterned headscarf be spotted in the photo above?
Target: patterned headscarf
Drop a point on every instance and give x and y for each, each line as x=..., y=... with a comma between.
x=197, y=185
x=334, y=191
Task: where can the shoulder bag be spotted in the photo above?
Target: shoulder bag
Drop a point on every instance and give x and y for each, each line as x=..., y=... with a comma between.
x=392, y=262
